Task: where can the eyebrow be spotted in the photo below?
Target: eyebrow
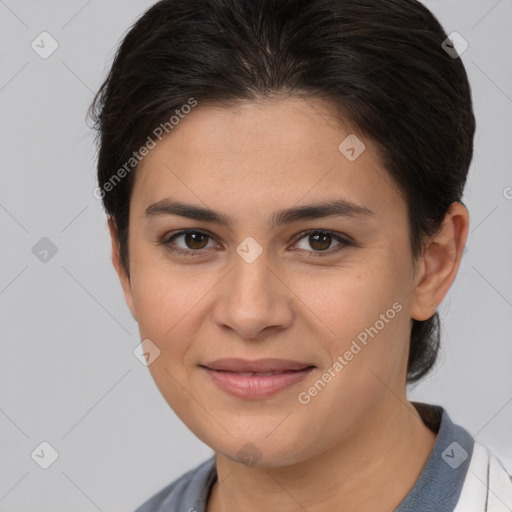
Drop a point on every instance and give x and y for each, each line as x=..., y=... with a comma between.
x=337, y=207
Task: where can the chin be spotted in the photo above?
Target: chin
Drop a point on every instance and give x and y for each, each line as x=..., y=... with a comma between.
x=261, y=451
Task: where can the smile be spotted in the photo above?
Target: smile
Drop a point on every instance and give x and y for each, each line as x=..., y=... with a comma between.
x=254, y=385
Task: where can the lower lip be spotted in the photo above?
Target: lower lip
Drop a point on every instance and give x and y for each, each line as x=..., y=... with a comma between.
x=254, y=386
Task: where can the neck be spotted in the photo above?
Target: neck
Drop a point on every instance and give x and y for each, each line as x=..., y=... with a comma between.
x=372, y=469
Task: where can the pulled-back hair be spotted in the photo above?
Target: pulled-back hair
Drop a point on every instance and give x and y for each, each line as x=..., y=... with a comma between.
x=380, y=64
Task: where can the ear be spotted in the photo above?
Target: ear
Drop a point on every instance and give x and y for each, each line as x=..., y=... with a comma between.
x=116, y=261
x=440, y=262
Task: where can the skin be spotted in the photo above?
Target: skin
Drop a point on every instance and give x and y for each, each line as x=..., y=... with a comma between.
x=359, y=443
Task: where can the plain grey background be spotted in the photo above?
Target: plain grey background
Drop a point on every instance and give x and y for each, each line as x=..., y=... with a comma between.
x=68, y=375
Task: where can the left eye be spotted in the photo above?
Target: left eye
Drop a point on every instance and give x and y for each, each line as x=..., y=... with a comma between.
x=321, y=241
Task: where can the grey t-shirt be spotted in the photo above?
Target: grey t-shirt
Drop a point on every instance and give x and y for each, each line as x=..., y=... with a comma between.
x=437, y=488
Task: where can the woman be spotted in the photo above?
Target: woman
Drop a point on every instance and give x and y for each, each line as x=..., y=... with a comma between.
x=283, y=184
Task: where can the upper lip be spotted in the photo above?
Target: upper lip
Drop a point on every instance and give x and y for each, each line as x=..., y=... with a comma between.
x=258, y=365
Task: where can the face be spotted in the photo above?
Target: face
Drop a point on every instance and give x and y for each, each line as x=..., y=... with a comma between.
x=262, y=276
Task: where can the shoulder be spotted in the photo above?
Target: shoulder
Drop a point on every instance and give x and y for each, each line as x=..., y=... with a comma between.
x=488, y=484
x=188, y=492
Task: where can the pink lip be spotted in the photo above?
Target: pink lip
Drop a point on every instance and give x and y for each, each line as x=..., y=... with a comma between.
x=234, y=381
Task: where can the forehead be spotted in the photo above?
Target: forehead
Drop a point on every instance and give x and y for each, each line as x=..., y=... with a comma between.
x=254, y=155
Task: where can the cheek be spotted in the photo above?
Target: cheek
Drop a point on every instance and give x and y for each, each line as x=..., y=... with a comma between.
x=360, y=318
x=344, y=303
x=163, y=298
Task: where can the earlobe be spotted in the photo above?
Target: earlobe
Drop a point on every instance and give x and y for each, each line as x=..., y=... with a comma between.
x=116, y=261
x=440, y=262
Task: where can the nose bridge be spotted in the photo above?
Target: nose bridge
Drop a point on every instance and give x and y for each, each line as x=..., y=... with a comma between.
x=251, y=288
x=252, y=299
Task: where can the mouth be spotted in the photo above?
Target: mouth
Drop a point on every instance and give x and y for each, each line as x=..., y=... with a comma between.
x=256, y=379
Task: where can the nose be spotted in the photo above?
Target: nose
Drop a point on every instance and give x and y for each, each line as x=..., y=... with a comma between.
x=253, y=298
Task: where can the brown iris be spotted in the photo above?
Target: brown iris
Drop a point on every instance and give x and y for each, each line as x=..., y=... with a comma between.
x=192, y=240
x=323, y=244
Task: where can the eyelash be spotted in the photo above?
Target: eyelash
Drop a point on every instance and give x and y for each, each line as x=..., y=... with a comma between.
x=166, y=241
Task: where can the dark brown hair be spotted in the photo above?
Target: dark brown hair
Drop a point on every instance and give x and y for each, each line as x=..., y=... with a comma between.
x=381, y=64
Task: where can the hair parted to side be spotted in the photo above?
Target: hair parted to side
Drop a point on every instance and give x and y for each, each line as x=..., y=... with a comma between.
x=380, y=64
